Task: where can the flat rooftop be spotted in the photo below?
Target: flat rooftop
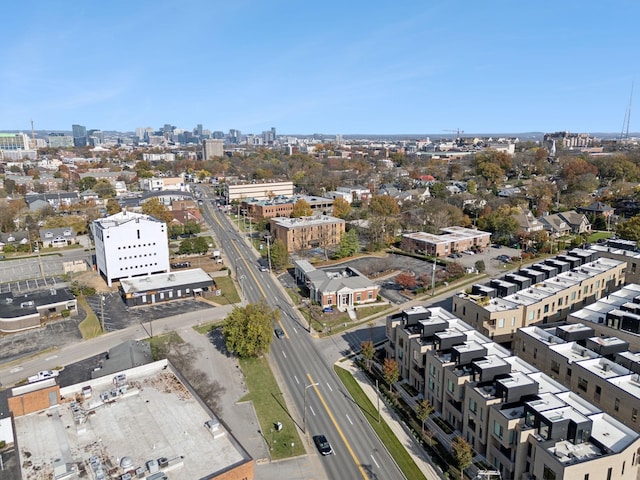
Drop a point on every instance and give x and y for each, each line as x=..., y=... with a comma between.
x=160, y=281
x=157, y=416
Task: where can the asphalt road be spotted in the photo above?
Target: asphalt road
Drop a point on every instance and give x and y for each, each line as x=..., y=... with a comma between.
x=302, y=368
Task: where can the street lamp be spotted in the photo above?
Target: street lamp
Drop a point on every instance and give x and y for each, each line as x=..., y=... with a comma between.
x=242, y=279
x=304, y=421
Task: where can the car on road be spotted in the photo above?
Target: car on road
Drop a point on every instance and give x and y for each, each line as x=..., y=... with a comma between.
x=279, y=332
x=263, y=268
x=324, y=447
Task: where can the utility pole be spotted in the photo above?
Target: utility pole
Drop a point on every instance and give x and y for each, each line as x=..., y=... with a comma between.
x=433, y=275
x=268, y=237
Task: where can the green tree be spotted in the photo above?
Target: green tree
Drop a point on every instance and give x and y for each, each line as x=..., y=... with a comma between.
x=191, y=227
x=200, y=245
x=480, y=266
x=175, y=229
x=279, y=254
x=383, y=219
x=423, y=410
x=349, y=244
x=301, y=209
x=248, y=331
x=629, y=230
x=463, y=453
x=438, y=190
x=368, y=351
x=104, y=189
x=472, y=187
x=341, y=208
x=390, y=372
x=86, y=183
x=186, y=247
x=113, y=206
x=155, y=208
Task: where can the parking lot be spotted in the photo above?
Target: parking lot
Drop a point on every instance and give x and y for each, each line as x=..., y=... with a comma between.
x=22, y=286
x=118, y=316
x=34, y=267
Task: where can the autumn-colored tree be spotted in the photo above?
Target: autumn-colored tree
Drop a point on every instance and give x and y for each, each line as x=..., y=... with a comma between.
x=423, y=410
x=384, y=205
x=113, y=206
x=155, y=208
x=390, y=372
x=301, y=209
x=341, y=208
x=463, y=453
x=368, y=351
x=406, y=280
x=454, y=269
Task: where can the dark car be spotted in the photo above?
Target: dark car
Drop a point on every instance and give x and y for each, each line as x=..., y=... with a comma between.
x=279, y=332
x=504, y=258
x=324, y=447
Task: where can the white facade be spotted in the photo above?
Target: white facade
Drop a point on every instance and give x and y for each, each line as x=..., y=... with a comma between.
x=129, y=245
x=212, y=148
x=157, y=184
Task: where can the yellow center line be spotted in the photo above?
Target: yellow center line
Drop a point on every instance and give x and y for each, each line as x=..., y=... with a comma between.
x=335, y=424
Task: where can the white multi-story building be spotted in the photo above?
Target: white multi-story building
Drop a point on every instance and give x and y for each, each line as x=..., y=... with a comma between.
x=212, y=148
x=129, y=245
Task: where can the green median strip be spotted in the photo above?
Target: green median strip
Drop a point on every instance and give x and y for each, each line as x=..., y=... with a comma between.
x=391, y=442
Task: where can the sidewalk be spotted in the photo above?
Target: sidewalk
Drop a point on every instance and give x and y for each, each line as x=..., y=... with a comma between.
x=422, y=459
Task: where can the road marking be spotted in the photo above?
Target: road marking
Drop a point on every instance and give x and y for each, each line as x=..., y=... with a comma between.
x=296, y=379
x=349, y=419
x=329, y=386
x=374, y=461
x=284, y=354
x=311, y=408
x=16, y=370
x=51, y=357
x=335, y=424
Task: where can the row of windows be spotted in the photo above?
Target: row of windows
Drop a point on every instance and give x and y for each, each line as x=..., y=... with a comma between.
x=136, y=256
x=138, y=266
x=137, y=246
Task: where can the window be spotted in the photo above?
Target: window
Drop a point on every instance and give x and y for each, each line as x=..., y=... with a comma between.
x=548, y=474
x=555, y=366
x=573, y=296
x=546, y=309
x=535, y=353
x=501, y=323
x=498, y=430
x=568, y=372
x=609, y=471
x=616, y=404
x=531, y=315
x=450, y=386
x=597, y=393
x=473, y=406
x=560, y=302
x=583, y=384
x=586, y=476
x=543, y=431
x=634, y=415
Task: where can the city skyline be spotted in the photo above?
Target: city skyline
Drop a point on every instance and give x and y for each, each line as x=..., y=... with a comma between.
x=340, y=69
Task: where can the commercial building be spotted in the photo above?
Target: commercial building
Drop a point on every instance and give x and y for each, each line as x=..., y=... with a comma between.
x=344, y=288
x=518, y=420
x=259, y=191
x=15, y=146
x=163, y=287
x=158, y=184
x=29, y=310
x=144, y=422
x=60, y=140
x=541, y=293
x=212, y=148
x=130, y=245
x=283, y=206
x=453, y=240
x=306, y=233
x=79, y=135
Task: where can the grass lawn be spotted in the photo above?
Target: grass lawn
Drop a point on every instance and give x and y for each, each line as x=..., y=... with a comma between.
x=595, y=236
x=90, y=327
x=159, y=343
x=364, y=312
x=395, y=448
x=270, y=408
x=229, y=292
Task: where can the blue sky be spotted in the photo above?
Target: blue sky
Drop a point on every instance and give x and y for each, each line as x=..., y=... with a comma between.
x=321, y=67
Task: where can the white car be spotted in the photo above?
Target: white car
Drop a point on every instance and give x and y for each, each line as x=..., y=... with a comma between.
x=468, y=252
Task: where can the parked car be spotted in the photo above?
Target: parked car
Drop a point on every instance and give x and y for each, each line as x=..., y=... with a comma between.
x=324, y=447
x=504, y=258
x=468, y=252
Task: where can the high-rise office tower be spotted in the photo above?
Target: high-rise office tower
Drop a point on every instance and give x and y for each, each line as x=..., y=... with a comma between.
x=212, y=148
x=79, y=135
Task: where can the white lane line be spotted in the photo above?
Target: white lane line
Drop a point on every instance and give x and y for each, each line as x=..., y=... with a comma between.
x=349, y=419
x=51, y=357
x=329, y=386
x=296, y=379
x=311, y=408
x=16, y=370
x=295, y=329
x=284, y=354
x=374, y=461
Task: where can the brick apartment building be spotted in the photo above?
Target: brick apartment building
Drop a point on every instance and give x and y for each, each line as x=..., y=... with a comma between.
x=306, y=233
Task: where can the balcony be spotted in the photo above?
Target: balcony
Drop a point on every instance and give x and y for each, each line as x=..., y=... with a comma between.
x=504, y=455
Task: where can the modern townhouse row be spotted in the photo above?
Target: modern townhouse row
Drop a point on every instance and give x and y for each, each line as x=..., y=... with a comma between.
x=544, y=292
x=521, y=421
